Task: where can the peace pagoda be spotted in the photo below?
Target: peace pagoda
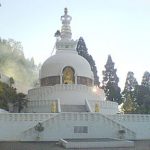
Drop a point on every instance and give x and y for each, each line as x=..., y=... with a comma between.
x=67, y=82
x=68, y=108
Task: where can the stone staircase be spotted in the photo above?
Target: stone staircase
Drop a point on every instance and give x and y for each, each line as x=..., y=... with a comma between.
x=52, y=122
x=121, y=127
x=73, y=108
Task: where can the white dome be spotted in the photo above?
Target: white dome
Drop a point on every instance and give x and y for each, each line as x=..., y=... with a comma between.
x=54, y=65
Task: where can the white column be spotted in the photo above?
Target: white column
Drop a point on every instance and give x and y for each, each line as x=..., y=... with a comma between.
x=75, y=76
x=61, y=75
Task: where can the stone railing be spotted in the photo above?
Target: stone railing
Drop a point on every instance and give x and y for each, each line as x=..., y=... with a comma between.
x=88, y=107
x=25, y=116
x=42, y=92
x=43, y=106
x=40, y=103
x=131, y=117
x=104, y=103
x=107, y=106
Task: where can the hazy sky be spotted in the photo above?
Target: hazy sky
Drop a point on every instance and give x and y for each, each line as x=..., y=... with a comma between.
x=117, y=27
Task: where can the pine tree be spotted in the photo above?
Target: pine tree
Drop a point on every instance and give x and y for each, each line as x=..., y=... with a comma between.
x=83, y=51
x=130, y=83
x=81, y=47
x=129, y=106
x=110, y=82
x=143, y=94
x=146, y=79
x=128, y=94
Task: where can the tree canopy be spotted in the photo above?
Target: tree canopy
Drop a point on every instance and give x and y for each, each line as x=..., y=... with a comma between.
x=128, y=94
x=143, y=94
x=83, y=51
x=110, y=82
x=14, y=64
x=9, y=95
x=136, y=98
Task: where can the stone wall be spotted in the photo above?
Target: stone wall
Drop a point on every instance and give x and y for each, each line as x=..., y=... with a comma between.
x=72, y=125
x=139, y=123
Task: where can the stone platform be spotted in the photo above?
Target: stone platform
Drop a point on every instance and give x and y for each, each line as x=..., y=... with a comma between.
x=96, y=143
x=138, y=145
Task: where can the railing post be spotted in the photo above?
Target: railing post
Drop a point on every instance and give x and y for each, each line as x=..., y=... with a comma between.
x=88, y=107
x=58, y=105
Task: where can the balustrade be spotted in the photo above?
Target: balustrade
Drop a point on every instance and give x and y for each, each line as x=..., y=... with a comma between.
x=25, y=116
x=131, y=117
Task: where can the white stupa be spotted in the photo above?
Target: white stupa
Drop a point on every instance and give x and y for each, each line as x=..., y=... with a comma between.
x=67, y=82
x=67, y=107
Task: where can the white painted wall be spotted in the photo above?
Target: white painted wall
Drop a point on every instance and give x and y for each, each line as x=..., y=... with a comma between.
x=68, y=94
x=61, y=125
x=136, y=122
x=40, y=98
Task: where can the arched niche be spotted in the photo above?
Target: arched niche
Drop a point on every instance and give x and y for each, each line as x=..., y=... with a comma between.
x=68, y=75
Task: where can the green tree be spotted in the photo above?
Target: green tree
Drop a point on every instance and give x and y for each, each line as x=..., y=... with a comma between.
x=129, y=106
x=21, y=101
x=9, y=95
x=128, y=94
x=110, y=82
x=83, y=51
x=130, y=83
x=143, y=94
x=146, y=79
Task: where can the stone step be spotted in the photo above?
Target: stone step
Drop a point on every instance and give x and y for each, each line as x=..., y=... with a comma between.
x=46, y=146
x=73, y=108
x=101, y=144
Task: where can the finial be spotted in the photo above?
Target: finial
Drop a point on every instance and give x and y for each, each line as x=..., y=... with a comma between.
x=66, y=29
x=65, y=11
x=66, y=18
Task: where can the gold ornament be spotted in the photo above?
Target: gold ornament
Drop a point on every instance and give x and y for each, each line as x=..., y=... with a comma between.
x=97, y=107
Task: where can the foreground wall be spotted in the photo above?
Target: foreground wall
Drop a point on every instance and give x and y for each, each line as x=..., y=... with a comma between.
x=136, y=122
x=21, y=127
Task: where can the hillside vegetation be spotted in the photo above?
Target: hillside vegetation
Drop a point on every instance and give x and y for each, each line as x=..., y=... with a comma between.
x=14, y=64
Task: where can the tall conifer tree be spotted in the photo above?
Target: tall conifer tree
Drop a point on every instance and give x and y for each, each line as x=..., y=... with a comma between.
x=110, y=82
x=146, y=79
x=143, y=94
x=83, y=51
x=128, y=94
